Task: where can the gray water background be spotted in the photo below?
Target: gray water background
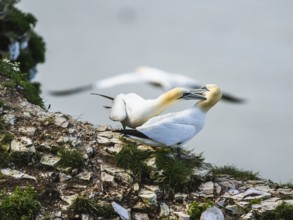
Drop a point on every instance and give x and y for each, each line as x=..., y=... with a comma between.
x=246, y=47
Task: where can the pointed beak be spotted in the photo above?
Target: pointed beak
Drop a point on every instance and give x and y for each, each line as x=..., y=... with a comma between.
x=195, y=94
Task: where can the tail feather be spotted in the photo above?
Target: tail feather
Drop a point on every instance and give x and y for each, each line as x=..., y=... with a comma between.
x=132, y=132
x=105, y=96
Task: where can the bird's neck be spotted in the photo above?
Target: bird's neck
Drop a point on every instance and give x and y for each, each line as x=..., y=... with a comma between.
x=206, y=105
x=166, y=100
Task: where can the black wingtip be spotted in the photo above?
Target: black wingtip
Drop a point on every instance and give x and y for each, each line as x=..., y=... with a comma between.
x=230, y=98
x=71, y=91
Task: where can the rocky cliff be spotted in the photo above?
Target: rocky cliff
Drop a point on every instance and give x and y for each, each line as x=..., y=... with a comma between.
x=53, y=166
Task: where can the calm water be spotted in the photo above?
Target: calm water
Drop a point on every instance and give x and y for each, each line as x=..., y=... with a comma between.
x=245, y=46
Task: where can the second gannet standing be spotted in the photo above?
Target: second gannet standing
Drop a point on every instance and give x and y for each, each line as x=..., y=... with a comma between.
x=175, y=129
x=132, y=110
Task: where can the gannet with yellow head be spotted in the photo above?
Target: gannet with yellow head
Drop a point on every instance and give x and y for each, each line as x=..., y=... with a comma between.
x=132, y=110
x=175, y=129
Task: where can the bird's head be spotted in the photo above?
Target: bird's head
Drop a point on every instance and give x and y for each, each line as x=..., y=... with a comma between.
x=212, y=94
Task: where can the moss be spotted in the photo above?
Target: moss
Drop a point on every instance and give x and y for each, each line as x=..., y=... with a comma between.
x=254, y=201
x=21, y=204
x=236, y=172
x=196, y=208
x=133, y=159
x=73, y=159
x=82, y=205
x=176, y=171
x=18, y=80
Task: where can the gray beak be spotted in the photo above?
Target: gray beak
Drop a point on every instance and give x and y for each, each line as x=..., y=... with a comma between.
x=195, y=94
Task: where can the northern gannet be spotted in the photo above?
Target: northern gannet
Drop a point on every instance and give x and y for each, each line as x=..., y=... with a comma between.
x=175, y=129
x=154, y=76
x=132, y=110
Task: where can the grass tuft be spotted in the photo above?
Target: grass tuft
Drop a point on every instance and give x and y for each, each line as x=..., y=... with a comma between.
x=21, y=204
x=236, y=172
x=83, y=205
x=177, y=172
x=73, y=159
x=283, y=211
x=133, y=159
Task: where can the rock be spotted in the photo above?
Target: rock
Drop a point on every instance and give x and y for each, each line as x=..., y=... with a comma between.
x=50, y=160
x=285, y=191
x=148, y=197
x=61, y=121
x=9, y=119
x=121, y=211
x=207, y=188
x=140, y=216
x=212, y=213
x=29, y=131
x=89, y=151
x=69, y=199
x=19, y=147
x=16, y=174
x=101, y=128
x=164, y=209
x=235, y=209
x=105, y=177
x=182, y=216
x=204, y=172
x=248, y=216
x=64, y=177
x=85, y=175
x=103, y=140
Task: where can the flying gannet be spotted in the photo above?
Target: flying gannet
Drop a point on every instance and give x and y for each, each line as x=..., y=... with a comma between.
x=175, y=129
x=153, y=76
x=132, y=110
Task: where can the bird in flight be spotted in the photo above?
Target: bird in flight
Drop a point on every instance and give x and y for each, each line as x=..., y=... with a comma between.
x=156, y=77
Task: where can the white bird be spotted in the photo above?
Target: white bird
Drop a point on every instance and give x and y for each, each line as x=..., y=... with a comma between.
x=154, y=76
x=132, y=110
x=175, y=129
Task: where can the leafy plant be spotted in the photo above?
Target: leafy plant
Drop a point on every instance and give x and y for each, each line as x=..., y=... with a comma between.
x=21, y=204
x=196, y=208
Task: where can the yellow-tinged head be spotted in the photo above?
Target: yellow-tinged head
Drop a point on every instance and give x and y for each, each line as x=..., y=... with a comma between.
x=212, y=94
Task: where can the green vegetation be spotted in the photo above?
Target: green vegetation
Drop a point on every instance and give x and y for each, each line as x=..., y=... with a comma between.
x=73, y=159
x=282, y=212
x=176, y=171
x=21, y=204
x=196, y=208
x=17, y=27
x=18, y=80
x=133, y=159
x=254, y=201
x=82, y=205
x=236, y=172
x=5, y=140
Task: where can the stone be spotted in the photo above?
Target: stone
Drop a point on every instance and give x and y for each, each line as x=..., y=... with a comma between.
x=89, y=151
x=17, y=146
x=148, y=197
x=85, y=175
x=69, y=199
x=204, y=172
x=16, y=174
x=164, y=209
x=29, y=131
x=182, y=216
x=235, y=209
x=248, y=216
x=9, y=119
x=121, y=211
x=285, y=191
x=61, y=121
x=140, y=216
x=101, y=128
x=212, y=213
x=105, y=177
x=64, y=177
x=207, y=188
x=103, y=140
x=50, y=160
